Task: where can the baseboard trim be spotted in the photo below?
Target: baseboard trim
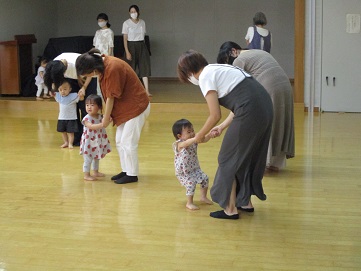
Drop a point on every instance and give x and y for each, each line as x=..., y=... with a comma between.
x=163, y=79
x=315, y=109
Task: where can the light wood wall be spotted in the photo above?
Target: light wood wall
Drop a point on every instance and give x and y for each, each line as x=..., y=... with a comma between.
x=299, y=51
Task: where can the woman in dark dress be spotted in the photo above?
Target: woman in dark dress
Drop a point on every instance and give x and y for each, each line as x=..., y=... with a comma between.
x=242, y=157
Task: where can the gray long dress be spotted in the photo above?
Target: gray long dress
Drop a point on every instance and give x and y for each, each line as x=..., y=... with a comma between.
x=266, y=70
x=244, y=147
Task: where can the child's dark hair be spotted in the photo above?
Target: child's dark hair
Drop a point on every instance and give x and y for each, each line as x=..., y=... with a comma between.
x=42, y=59
x=179, y=125
x=64, y=80
x=96, y=99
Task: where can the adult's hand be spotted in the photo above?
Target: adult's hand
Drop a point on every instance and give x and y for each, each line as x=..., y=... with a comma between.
x=106, y=122
x=128, y=56
x=81, y=92
x=216, y=131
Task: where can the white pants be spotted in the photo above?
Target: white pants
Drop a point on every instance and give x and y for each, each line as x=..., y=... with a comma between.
x=41, y=86
x=126, y=138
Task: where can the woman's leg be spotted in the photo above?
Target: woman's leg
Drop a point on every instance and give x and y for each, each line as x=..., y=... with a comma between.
x=127, y=138
x=146, y=85
x=231, y=208
x=230, y=212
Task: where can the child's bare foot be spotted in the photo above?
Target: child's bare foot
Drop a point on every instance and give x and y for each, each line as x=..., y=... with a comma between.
x=89, y=178
x=70, y=146
x=65, y=145
x=207, y=201
x=99, y=174
x=191, y=206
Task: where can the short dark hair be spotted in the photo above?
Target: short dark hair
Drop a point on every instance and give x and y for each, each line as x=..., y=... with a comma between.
x=92, y=98
x=259, y=18
x=179, y=125
x=225, y=50
x=88, y=62
x=189, y=63
x=54, y=74
x=64, y=81
x=104, y=17
x=136, y=8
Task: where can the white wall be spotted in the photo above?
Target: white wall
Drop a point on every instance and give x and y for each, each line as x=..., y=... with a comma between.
x=20, y=17
x=173, y=26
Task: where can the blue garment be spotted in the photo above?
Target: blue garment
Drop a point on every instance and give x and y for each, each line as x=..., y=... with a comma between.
x=256, y=41
x=67, y=106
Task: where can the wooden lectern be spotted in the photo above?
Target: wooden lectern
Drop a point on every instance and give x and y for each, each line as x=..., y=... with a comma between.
x=16, y=63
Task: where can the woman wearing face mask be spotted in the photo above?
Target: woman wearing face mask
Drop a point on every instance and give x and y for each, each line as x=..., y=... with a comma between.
x=266, y=70
x=136, y=52
x=242, y=157
x=104, y=37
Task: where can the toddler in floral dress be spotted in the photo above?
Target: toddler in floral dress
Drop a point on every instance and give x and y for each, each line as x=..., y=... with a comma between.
x=186, y=163
x=94, y=144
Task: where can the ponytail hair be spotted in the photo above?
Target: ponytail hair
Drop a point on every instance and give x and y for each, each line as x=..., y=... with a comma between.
x=88, y=62
x=224, y=56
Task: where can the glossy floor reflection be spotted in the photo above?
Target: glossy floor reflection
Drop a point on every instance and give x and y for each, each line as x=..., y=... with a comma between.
x=51, y=219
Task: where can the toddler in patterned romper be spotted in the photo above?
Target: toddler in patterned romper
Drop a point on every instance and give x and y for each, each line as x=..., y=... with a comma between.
x=94, y=143
x=186, y=162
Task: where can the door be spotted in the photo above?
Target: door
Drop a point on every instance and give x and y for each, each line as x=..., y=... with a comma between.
x=341, y=56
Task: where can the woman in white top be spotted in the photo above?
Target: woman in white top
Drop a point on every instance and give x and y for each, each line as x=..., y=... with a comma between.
x=136, y=52
x=242, y=157
x=104, y=37
x=257, y=36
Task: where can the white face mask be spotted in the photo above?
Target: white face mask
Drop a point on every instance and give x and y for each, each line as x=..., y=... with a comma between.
x=193, y=80
x=102, y=24
x=134, y=15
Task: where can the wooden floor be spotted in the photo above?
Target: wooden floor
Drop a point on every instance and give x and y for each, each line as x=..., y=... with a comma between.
x=50, y=219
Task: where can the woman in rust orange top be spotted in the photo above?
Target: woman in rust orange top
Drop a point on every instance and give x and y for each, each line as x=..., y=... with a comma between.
x=126, y=103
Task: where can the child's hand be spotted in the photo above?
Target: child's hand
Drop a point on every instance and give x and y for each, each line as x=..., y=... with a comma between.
x=81, y=93
x=215, y=132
